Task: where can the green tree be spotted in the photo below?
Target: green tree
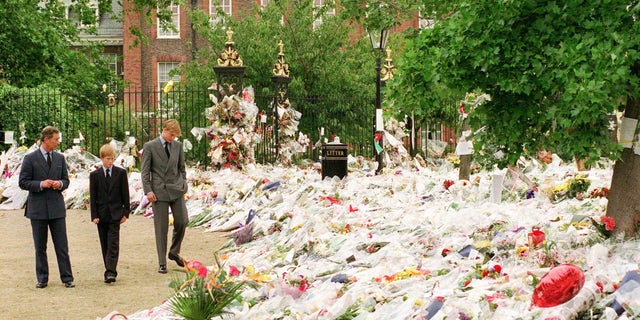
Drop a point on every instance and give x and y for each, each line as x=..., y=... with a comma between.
x=324, y=61
x=35, y=42
x=415, y=91
x=555, y=72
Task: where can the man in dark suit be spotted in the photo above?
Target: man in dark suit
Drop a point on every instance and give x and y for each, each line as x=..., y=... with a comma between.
x=164, y=181
x=109, y=200
x=44, y=174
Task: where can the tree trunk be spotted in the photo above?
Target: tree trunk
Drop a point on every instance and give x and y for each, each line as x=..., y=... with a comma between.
x=465, y=167
x=464, y=172
x=624, y=203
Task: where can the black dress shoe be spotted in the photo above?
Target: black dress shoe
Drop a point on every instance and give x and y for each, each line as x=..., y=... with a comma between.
x=110, y=279
x=178, y=259
x=69, y=284
x=41, y=285
x=162, y=269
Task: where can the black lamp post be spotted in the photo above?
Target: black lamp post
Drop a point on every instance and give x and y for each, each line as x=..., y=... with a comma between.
x=378, y=39
x=230, y=68
x=281, y=80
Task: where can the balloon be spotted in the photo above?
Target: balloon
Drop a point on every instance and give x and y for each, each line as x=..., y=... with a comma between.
x=558, y=286
x=537, y=238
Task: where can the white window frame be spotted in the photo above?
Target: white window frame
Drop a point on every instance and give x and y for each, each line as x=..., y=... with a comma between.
x=112, y=60
x=424, y=22
x=225, y=5
x=320, y=4
x=175, y=19
x=70, y=15
x=164, y=68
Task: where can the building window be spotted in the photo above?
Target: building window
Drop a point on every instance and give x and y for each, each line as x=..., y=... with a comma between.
x=112, y=61
x=164, y=73
x=319, y=4
x=84, y=17
x=172, y=30
x=219, y=5
x=425, y=22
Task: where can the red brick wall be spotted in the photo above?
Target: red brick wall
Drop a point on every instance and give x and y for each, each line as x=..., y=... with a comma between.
x=140, y=62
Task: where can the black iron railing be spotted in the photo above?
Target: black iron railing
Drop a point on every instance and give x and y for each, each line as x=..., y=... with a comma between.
x=140, y=113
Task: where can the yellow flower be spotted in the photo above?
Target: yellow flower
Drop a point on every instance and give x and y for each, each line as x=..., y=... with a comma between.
x=560, y=188
x=522, y=251
x=168, y=87
x=256, y=276
x=482, y=244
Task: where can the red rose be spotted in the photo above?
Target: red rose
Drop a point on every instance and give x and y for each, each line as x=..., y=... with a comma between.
x=609, y=222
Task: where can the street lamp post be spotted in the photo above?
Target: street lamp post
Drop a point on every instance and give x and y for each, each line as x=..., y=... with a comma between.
x=378, y=43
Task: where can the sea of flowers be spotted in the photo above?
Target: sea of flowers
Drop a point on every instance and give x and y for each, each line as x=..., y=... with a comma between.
x=411, y=243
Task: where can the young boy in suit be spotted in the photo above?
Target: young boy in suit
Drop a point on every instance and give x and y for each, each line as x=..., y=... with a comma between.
x=109, y=199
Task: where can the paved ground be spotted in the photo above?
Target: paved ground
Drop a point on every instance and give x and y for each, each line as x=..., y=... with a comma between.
x=138, y=287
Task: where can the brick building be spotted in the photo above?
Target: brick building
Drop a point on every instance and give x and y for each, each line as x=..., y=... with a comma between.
x=146, y=66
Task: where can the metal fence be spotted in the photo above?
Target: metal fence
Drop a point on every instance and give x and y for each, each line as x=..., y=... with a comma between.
x=140, y=113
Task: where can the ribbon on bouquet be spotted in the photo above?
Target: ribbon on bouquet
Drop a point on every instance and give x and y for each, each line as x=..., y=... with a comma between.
x=377, y=138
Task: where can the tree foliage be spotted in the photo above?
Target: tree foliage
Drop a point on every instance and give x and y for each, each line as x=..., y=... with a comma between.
x=555, y=71
x=378, y=14
x=35, y=42
x=323, y=59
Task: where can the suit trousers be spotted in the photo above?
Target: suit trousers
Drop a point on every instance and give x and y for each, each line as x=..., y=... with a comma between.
x=58, y=227
x=161, y=226
x=109, y=233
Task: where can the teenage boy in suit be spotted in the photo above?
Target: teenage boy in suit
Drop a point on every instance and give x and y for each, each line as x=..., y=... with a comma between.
x=44, y=174
x=164, y=182
x=109, y=199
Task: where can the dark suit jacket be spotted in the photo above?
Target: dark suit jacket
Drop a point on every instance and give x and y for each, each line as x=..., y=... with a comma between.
x=113, y=203
x=44, y=204
x=167, y=178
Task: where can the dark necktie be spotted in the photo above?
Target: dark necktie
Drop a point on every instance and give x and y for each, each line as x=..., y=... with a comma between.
x=108, y=178
x=49, y=159
x=167, y=146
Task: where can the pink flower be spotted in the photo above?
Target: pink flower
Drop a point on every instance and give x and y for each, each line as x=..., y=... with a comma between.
x=193, y=265
x=196, y=266
x=233, y=271
x=202, y=272
x=304, y=285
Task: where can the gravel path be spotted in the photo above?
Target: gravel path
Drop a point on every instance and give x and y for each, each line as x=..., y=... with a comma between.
x=138, y=286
